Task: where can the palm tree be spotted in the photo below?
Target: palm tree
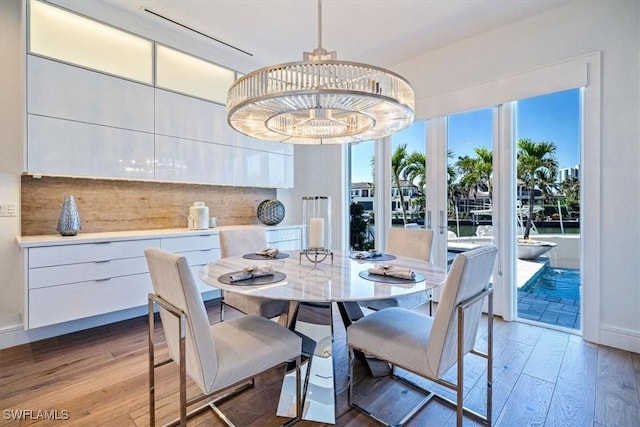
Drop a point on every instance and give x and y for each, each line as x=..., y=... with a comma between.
x=484, y=158
x=398, y=164
x=416, y=169
x=570, y=189
x=476, y=172
x=535, y=158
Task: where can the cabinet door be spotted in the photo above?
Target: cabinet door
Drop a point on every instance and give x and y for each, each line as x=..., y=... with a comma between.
x=245, y=141
x=63, y=147
x=185, y=117
x=49, y=256
x=287, y=239
x=187, y=160
x=56, y=304
x=64, y=91
x=263, y=169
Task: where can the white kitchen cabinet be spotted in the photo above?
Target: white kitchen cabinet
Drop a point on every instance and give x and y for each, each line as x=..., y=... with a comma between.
x=199, y=250
x=285, y=238
x=187, y=160
x=93, y=274
x=191, y=118
x=263, y=169
x=56, y=304
x=63, y=147
x=245, y=141
x=67, y=92
x=70, y=282
x=85, y=123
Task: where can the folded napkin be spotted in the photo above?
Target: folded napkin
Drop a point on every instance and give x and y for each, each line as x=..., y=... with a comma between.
x=367, y=254
x=391, y=271
x=270, y=252
x=251, y=272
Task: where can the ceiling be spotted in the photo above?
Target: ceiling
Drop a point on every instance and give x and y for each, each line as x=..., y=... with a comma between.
x=380, y=32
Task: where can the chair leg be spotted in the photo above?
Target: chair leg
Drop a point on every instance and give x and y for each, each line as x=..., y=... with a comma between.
x=152, y=386
x=460, y=370
x=221, y=306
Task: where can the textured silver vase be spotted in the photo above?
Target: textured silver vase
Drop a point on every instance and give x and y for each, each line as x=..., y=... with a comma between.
x=69, y=220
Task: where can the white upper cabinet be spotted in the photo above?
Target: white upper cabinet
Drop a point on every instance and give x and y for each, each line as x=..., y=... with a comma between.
x=186, y=117
x=245, y=141
x=187, y=160
x=96, y=109
x=63, y=147
x=72, y=93
x=57, y=33
x=256, y=168
x=193, y=76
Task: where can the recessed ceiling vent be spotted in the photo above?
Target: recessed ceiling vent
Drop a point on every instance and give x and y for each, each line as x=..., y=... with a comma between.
x=173, y=21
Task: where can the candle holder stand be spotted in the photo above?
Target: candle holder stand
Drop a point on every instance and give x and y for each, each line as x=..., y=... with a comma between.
x=316, y=255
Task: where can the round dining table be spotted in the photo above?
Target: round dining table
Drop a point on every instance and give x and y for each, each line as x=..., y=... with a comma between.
x=340, y=278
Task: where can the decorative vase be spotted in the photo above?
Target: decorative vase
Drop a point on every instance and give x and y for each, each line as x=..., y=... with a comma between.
x=69, y=220
x=270, y=212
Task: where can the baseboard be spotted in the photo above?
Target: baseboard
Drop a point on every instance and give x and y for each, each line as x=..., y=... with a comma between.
x=623, y=339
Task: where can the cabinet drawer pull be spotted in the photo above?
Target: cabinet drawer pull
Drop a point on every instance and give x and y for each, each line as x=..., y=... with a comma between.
x=102, y=261
x=102, y=243
x=105, y=279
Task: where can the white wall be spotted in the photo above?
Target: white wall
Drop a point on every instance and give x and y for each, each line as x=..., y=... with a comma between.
x=317, y=172
x=11, y=155
x=582, y=27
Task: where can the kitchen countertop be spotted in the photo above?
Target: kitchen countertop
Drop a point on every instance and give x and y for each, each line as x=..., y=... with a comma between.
x=110, y=236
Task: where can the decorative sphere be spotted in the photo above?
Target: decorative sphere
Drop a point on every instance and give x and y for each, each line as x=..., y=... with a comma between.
x=270, y=212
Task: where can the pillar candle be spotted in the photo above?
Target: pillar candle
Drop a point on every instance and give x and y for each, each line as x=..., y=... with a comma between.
x=316, y=233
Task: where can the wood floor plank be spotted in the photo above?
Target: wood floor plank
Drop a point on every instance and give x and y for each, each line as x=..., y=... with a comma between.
x=547, y=355
x=570, y=405
x=635, y=357
x=616, y=398
x=528, y=403
x=507, y=368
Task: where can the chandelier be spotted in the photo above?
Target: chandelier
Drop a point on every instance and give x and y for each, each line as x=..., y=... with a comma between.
x=320, y=100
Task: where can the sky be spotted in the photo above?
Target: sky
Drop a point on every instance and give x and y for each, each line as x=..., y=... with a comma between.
x=552, y=118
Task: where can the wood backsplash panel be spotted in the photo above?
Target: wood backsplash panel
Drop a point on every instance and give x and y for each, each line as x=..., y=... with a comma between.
x=111, y=205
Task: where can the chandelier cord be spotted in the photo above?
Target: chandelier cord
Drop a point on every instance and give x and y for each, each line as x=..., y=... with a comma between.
x=319, y=25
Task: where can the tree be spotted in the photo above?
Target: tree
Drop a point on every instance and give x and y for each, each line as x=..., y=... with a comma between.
x=358, y=229
x=416, y=170
x=398, y=164
x=570, y=189
x=535, y=160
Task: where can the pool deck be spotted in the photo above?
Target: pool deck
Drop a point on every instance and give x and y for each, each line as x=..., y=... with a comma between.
x=548, y=309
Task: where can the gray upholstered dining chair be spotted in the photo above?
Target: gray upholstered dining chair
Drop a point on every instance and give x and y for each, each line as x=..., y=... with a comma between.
x=429, y=346
x=406, y=242
x=241, y=241
x=220, y=358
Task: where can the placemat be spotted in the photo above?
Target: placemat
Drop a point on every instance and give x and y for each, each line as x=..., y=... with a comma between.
x=381, y=257
x=391, y=280
x=277, y=276
x=279, y=255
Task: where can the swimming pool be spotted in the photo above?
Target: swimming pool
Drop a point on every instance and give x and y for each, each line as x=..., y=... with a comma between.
x=557, y=282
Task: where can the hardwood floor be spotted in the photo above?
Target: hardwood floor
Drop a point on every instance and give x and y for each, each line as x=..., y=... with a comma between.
x=98, y=377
